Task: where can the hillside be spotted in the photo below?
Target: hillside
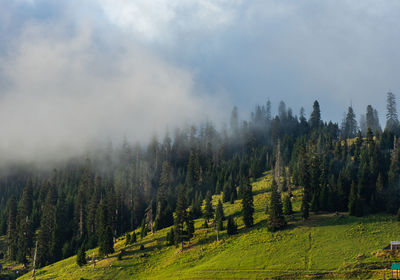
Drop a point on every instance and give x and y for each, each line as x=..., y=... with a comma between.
x=327, y=245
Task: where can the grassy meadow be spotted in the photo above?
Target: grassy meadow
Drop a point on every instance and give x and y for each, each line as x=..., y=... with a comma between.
x=325, y=246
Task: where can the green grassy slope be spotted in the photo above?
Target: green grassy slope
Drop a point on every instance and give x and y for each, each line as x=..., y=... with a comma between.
x=325, y=246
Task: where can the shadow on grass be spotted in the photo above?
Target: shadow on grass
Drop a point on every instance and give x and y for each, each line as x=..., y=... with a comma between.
x=323, y=219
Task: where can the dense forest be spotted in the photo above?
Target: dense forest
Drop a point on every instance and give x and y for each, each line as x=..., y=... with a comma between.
x=88, y=202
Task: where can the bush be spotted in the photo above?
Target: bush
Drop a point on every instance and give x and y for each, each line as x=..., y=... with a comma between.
x=141, y=247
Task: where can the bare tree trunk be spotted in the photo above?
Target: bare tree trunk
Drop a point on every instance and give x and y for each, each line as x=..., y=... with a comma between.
x=34, y=260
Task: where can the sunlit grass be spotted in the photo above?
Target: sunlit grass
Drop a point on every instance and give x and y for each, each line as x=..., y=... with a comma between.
x=324, y=246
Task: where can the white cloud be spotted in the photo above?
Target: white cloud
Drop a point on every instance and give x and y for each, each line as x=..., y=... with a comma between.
x=157, y=19
x=64, y=91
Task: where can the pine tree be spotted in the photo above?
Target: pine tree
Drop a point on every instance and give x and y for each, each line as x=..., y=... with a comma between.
x=226, y=196
x=349, y=124
x=234, y=122
x=12, y=228
x=305, y=208
x=208, y=208
x=170, y=237
x=276, y=220
x=133, y=238
x=392, y=121
x=231, y=227
x=372, y=120
x=143, y=229
x=180, y=217
x=127, y=239
x=81, y=257
x=189, y=226
x=315, y=118
x=353, y=201
x=47, y=230
x=193, y=173
x=219, y=216
x=106, y=242
x=248, y=206
x=105, y=235
x=164, y=217
x=287, y=206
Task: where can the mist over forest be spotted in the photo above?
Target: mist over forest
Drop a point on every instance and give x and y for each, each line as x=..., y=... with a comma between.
x=129, y=127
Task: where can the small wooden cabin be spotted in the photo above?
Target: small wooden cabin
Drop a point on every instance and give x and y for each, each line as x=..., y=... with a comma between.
x=395, y=270
x=394, y=245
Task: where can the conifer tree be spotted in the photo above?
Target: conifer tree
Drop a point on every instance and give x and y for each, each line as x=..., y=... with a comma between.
x=305, y=208
x=392, y=121
x=180, y=217
x=12, y=228
x=127, y=239
x=47, y=230
x=105, y=235
x=193, y=173
x=25, y=232
x=81, y=257
x=208, y=208
x=189, y=226
x=164, y=217
x=231, y=227
x=349, y=124
x=276, y=220
x=133, y=238
x=287, y=206
x=372, y=120
x=106, y=242
x=143, y=229
x=170, y=237
x=315, y=118
x=219, y=216
x=247, y=205
x=355, y=207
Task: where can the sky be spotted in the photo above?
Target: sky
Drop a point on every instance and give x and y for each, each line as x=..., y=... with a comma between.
x=73, y=71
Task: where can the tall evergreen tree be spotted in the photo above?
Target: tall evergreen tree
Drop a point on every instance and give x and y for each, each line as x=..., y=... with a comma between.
x=208, y=208
x=81, y=257
x=180, y=217
x=105, y=235
x=392, y=121
x=372, y=120
x=276, y=220
x=287, y=206
x=248, y=205
x=12, y=228
x=349, y=124
x=315, y=118
x=219, y=216
x=47, y=230
x=25, y=231
x=231, y=227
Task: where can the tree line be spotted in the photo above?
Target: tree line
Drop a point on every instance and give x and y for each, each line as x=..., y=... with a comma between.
x=89, y=202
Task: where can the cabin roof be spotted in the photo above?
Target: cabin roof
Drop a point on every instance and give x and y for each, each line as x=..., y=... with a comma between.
x=395, y=266
x=394, y=242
